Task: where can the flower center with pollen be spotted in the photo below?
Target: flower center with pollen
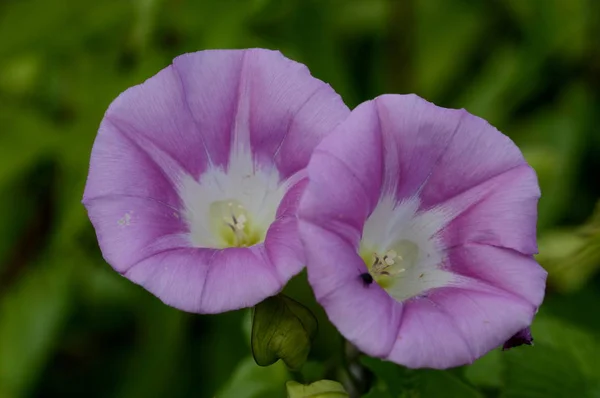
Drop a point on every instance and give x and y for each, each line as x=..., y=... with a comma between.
x=232, y=224
x=402, y=249
x=387, y=266
x=232, y=206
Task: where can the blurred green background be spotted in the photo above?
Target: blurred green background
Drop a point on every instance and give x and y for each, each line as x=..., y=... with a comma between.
x=70, y=326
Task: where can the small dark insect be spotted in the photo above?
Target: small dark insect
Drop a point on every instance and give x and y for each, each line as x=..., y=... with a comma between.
x=366, y=278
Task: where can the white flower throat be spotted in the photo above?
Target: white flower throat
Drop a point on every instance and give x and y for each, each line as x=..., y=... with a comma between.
x=401, y=249
x=232, y=207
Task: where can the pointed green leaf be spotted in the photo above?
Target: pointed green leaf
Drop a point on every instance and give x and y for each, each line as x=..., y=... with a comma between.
x=318, y=389
x=282, y=328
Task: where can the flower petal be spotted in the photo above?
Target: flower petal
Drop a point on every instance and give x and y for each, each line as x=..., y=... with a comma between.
x=282, y=243
x=499, y=212
x=454, y=326
x=365, y=314
x=428, y=338
x=441, y=152
x=262, y=99
x=347, y=193
x=207, y=281
x=130, y=229
x=155, y=116
x=506, y=269
x=485, y=316
x=177, y=277
x=239, y=278
x=121, y=166
x=478, y=197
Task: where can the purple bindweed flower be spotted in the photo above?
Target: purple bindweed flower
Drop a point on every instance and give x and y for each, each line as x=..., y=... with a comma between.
x=196, y=175
x=419, y=224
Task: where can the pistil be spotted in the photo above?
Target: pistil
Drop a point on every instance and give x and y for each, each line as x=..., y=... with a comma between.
x=234, y=226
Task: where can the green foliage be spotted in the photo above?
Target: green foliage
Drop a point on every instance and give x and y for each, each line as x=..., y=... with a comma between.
x=318, y=389
x=545, y=372
x=400, y=382
x=252, y=381
x=70, y=326
x=563, y=362
x=572, y=256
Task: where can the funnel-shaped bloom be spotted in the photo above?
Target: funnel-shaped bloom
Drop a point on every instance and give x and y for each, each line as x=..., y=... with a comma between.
x=196, y=174
x=419, y=224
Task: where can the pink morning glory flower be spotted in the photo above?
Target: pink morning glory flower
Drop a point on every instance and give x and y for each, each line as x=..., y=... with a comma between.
x=419, y=225
x=196, y=174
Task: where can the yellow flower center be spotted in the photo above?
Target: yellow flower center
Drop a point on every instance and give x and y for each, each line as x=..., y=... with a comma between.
x=387, y=266
x=233, y=226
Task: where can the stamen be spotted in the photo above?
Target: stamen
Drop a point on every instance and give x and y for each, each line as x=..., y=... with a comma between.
x=234, y=224
x=398, y=271
x=385, y=265
x=241, y=220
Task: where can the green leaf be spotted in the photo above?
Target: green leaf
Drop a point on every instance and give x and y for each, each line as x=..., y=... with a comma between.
x=318, y=389
x=563, y=362
x=542, y=372
x=252, y=381
x=582, y=346
x=282, y=329
x=402, y=382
